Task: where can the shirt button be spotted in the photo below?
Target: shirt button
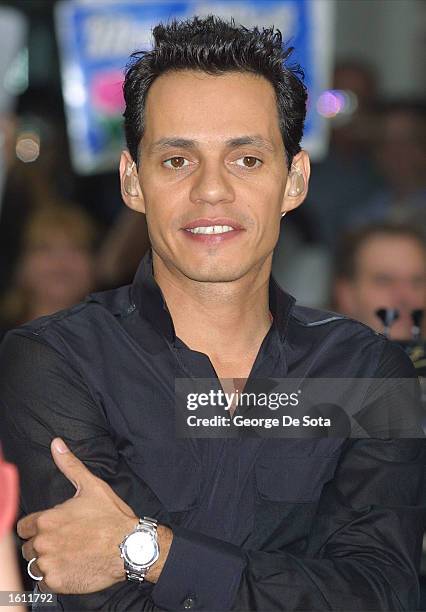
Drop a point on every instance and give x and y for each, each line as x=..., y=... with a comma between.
x=189, y=602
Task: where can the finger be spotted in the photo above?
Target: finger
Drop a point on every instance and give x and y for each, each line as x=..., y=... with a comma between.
x=27, y=527
x=70, y=466
x=42, y=586
x=28, y=551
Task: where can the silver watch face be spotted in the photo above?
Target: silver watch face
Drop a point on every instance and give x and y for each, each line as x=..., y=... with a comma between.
x=140, y=548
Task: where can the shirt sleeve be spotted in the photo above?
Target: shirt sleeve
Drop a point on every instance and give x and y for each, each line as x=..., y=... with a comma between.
x=42, y=396
x=364, y=548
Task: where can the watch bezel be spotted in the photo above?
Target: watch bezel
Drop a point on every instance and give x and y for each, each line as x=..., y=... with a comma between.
x=129, y=561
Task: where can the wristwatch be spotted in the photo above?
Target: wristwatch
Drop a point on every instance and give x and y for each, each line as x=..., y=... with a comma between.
x=139, y=549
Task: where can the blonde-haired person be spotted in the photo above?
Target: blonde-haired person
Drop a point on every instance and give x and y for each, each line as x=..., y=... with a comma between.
x=56, y=267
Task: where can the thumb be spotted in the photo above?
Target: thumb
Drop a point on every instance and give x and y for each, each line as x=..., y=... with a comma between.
x=70, y=466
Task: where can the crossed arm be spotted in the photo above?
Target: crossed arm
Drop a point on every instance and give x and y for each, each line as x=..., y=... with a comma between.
x=96, y=520
x=362, y=553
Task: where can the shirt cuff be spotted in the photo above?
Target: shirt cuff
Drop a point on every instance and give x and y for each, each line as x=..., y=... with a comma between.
x=200, y=573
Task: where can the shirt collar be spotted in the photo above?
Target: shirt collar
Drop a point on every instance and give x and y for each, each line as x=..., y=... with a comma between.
x=149, y=300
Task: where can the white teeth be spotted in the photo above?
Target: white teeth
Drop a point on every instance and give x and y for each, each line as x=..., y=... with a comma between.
x=211, y=229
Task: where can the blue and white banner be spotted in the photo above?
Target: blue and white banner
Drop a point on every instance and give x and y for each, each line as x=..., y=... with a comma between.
x=96, y=38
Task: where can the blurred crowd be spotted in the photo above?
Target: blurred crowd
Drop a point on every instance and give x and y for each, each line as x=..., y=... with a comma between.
x=356, y=245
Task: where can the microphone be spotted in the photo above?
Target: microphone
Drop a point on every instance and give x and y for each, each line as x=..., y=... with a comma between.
x=388, y=316
x=416, y=317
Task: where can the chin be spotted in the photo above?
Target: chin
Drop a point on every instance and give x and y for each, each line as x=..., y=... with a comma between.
x=213, y=277
x=214, y=273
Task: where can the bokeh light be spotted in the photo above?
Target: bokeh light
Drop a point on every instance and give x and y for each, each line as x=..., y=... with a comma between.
x=27, y=147
x=337, y=102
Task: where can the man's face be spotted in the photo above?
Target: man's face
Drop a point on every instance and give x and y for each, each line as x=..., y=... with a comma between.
x=391, y=273
x=212, y=157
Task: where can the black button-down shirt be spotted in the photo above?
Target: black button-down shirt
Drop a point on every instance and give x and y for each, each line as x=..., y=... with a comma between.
x=259, y=524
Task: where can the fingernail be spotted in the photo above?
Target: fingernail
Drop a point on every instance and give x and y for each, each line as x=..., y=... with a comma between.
x=60, y=446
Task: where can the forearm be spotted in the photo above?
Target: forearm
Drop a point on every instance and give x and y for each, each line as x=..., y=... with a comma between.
x=216, y=575
x=285, y=582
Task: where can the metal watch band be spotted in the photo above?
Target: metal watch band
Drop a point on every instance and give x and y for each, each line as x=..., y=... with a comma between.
x=151, y=523
x=137, y=577
x=131, y=574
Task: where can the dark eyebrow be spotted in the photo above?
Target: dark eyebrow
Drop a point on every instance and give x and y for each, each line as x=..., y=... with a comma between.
x=233, y=143
x=170, y=143
x=257, y=141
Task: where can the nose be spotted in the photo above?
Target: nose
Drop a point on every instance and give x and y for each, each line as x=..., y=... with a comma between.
x=211, y=185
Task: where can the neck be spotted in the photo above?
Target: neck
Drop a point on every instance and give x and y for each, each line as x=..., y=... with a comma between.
x=223, y=320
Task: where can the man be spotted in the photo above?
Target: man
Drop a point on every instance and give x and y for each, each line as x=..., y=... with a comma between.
x=382, y=266
x=213, y=125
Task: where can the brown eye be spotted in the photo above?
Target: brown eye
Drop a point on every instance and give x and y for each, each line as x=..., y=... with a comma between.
x=176, y=163
x=249, y=161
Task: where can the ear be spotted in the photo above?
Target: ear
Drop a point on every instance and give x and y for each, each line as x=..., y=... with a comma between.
x=296, y=187
x=131, y=191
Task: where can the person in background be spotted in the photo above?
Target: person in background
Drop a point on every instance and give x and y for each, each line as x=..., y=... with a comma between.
x=400, y=156
x=381, y=266
x=9, y=575
x=56, y=266
x=303, y=268
x=121, y=250
x=37, y=170
x=348, y=174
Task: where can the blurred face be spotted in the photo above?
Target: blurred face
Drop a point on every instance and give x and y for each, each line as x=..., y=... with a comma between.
x=213, y=174
x=391, y=273
x=401, y=154
x=358, y=81
x=57, y=271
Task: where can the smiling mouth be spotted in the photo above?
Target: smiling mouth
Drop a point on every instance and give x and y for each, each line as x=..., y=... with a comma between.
x=210, y=229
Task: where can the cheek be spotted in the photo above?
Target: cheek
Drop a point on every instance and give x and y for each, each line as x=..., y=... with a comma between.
x=266, y=216
x=35, y=267
x=167, y=209
x=419, y=296
x=372, y=296
x=268, y=190
x=158, y=218
x=80, y=268
x=161, y=199
x=263, y=202
x=163, y=228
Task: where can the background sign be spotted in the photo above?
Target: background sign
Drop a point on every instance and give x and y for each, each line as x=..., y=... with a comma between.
x=96, y=38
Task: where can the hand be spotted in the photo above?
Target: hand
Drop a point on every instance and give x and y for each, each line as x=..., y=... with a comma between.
x=76, y=543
